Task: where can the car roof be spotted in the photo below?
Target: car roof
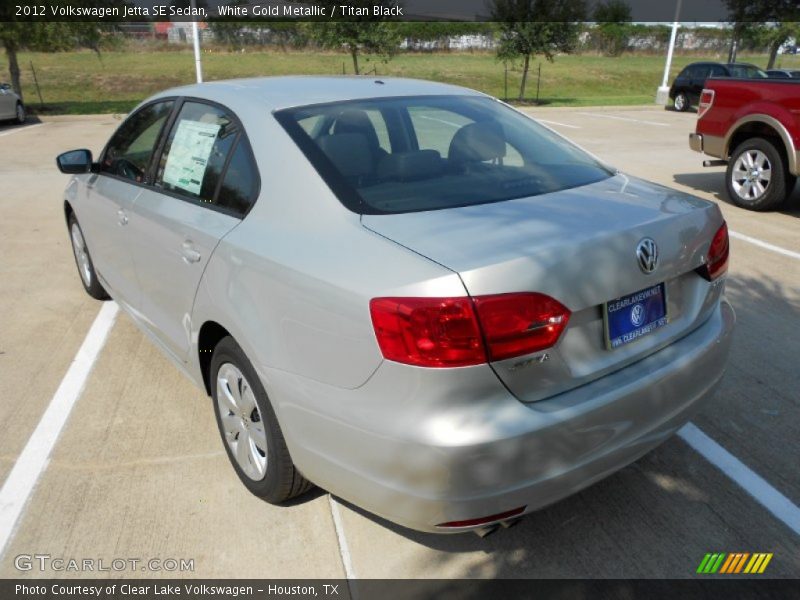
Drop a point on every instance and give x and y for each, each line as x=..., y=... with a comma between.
x=275, y=93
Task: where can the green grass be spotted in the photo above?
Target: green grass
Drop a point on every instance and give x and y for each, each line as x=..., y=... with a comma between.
x=84, y=83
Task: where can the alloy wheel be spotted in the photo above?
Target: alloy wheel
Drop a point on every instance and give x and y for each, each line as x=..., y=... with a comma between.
x=751, y=175
x=81, y=254
x=242, y=424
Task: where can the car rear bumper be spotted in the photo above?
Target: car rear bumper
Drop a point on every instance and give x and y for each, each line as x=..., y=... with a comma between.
x=421, y=450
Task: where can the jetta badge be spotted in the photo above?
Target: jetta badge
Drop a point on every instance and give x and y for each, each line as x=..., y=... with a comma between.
x=647, y=254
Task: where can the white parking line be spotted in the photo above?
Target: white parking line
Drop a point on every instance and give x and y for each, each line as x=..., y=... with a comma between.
x=344, y=550
x=557, y=123
x=765, y=245
x=763, y=493
x=22, y=128
x=34, y=457
x=605, y=116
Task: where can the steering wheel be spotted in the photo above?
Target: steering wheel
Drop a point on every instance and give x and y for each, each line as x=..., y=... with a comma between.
x=128, y=170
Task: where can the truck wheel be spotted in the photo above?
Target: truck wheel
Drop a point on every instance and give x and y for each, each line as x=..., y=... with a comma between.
x=757, y=177
x=681, y=102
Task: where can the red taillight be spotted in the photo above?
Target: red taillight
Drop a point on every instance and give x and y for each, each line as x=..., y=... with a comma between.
x=457, y=332
x=429, y=332
x=517, y=324
x=717, y=257
x=706, y=101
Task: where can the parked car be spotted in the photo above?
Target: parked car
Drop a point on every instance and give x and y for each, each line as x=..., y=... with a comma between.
x=685, y=90
x=751, y=127
x=783, y=73
x=11, y=106
x=406, y=292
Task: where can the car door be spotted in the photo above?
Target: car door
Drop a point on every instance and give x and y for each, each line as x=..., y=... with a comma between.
x=205, y=181
x=110, y=193
x=8, y=102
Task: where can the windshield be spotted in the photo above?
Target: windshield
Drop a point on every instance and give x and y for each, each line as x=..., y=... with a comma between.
x=394, y=155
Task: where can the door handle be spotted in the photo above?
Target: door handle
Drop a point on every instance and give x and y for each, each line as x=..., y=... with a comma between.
x=190, y=255
x=123, y=218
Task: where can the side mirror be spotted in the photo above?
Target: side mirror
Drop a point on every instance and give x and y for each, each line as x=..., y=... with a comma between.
x=75, y=162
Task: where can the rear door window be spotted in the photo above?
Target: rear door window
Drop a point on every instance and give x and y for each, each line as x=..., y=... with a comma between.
x=204, y=143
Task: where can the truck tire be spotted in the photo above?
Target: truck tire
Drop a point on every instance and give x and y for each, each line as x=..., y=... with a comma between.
x=757, y=177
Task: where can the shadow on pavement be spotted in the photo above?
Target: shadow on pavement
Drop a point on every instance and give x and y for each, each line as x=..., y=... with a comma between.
x=713, y=182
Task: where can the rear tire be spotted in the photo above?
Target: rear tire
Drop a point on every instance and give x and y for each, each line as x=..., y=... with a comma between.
x=249, y=429
x=681, y=102
x=83, y=261
x=757, y=177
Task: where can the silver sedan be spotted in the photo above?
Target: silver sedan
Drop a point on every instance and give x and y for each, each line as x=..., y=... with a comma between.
x=11, y=105
x=407, y=293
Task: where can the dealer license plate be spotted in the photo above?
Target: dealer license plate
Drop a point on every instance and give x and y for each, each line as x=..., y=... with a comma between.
x=630, y=317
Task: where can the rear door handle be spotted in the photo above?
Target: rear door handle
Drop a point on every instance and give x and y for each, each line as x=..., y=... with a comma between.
x=190, y=255
x=123, y=218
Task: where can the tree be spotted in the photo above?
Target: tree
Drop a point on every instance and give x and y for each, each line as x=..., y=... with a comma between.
x=772, y=22
x=16, y=36
x=530, y=27
x=613, y=20
x=361, y=34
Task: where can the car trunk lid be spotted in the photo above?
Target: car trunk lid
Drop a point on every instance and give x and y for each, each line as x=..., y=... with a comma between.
x=579, y=247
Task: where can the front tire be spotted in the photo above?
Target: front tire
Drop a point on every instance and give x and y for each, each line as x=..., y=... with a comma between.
x=757, y=177
x=681, y=102
x=249, y=429
x=21, y=115
x=83, y=261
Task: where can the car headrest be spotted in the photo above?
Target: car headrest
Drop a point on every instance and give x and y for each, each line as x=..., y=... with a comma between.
x=349, y=152
x=408, y=166
x=477, y=142
x=356, y=121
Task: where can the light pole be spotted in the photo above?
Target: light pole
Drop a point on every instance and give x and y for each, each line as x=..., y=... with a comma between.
x=662, y=94
x=198, y=63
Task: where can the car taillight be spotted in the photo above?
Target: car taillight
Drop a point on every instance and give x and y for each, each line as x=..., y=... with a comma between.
x=717, y=257
x=458, y=332
x=517, y=324
x=706, y=101
x=428, y=332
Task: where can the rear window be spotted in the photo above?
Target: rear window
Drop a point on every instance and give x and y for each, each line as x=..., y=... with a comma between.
x=395, y=155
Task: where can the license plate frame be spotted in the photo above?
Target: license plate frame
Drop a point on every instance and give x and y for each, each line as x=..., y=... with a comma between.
x=653, y=308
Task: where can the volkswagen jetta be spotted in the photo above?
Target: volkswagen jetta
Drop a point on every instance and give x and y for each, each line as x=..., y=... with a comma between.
x=406, y=292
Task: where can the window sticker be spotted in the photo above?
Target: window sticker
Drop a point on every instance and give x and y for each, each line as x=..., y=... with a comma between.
x=188, y=156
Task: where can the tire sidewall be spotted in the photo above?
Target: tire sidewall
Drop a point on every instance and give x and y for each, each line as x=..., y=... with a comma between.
x=776, y=191
x=95, y=288
x=228, y=351
x=24, y=113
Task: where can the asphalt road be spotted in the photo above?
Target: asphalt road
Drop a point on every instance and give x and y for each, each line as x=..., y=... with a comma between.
x=139, y=471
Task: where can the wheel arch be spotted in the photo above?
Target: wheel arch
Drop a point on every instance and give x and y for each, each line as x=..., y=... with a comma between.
x=68, y=210
x=209, y=335
x=764, y=126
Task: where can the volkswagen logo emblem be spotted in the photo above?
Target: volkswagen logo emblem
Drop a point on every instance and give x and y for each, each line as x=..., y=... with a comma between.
x=637, y=315
x=647, y=255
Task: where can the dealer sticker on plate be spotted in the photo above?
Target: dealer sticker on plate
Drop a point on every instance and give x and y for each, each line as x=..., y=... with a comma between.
x=632, y=316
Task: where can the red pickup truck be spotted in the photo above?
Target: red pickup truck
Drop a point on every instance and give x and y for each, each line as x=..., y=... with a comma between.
x=753, y=126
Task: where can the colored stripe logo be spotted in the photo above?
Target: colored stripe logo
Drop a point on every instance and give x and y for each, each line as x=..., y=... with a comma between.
x=729, y=563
